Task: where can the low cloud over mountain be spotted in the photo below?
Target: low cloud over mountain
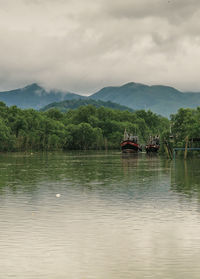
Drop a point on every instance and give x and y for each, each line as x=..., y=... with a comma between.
x=84, y=46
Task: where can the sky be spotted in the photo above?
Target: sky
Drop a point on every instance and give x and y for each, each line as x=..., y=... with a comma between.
x=82, y=46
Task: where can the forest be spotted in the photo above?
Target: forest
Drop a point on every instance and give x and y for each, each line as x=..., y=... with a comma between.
x=185, y=123
x=87, y=127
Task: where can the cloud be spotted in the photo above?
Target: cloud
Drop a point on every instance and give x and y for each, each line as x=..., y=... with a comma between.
x=171, y=10
x=83, y=46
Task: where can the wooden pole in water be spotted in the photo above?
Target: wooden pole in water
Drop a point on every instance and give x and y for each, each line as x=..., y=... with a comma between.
x=186, y=147
x=170, y=151
x=166, y=149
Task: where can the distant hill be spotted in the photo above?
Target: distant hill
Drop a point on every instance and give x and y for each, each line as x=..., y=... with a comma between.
x=73, y=104
x=160, y=99
x=34, y=96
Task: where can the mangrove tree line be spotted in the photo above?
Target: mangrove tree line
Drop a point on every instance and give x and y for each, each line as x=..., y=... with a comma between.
x=87, y=127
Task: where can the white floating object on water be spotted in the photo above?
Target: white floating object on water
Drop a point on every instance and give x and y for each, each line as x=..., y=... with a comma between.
x=57, y=195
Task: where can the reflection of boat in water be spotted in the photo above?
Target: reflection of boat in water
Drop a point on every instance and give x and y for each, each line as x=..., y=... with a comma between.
x=129, y=162
x=130, y=143
x=153, y=144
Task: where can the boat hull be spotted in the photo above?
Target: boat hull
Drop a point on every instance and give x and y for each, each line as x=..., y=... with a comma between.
x=130, y=147
x=152, y=148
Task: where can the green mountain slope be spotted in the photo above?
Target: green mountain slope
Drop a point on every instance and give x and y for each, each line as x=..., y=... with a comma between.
x=160, y=99
x=73, y=104
x=34, y=96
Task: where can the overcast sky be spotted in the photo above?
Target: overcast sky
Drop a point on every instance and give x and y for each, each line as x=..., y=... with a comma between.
x=84, y=45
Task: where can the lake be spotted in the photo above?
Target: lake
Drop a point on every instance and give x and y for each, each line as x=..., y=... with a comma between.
x=99, y=215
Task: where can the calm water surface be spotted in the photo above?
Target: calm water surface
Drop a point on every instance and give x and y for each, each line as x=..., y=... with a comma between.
x=116, y=217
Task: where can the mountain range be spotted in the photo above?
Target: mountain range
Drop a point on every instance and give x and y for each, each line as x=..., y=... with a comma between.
x=35, y=96
x=160, y=99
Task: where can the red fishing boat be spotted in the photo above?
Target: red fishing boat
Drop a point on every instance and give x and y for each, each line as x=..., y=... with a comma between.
x=130, y=144
x=153, y=144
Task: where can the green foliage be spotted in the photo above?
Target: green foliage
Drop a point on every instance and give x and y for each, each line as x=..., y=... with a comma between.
x=6, y=138
x=87, y=127
x=186, y=123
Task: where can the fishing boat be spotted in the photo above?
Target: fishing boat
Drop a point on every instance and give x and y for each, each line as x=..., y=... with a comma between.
x=153, y=144
x=130, y=143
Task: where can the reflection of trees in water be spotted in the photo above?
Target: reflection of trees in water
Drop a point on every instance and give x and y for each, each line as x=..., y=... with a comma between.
x=185, y=177
x=21, y=172
x=25, y=171
x=108, y=172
